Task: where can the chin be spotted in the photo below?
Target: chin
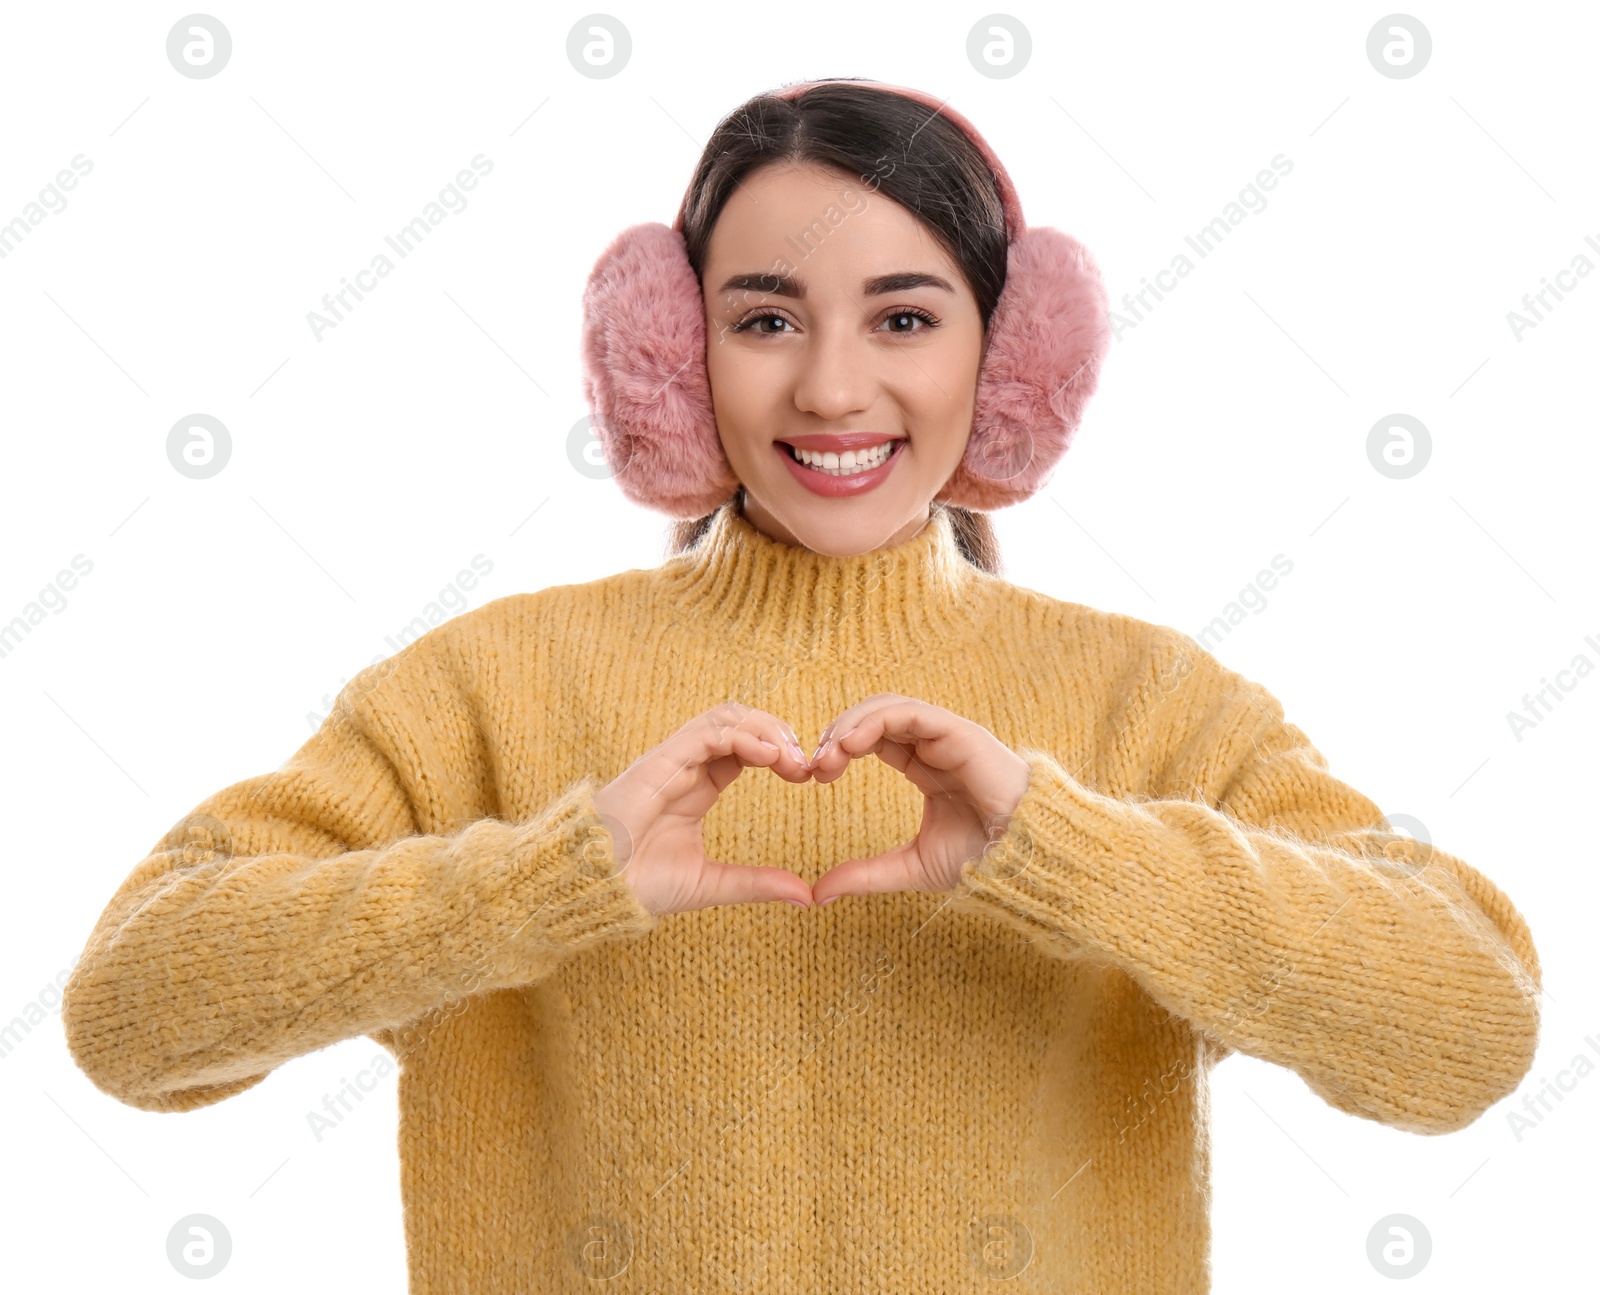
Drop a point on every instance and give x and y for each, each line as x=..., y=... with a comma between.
x=845, y=528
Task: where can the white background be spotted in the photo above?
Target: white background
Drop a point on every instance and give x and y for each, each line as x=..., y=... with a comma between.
x=430, y=426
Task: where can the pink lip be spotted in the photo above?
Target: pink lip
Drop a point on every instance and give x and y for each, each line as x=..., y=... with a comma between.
x=831, y=487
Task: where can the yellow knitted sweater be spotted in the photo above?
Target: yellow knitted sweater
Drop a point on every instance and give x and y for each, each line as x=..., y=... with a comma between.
x=908, y=1093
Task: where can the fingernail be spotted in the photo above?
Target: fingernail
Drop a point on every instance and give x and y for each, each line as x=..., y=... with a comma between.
x=798, y=903
x=798, y=753
x=821, y=747
x=771, y=746
x=830, y=899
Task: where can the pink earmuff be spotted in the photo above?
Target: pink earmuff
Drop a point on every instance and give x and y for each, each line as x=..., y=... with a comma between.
x=644, y=341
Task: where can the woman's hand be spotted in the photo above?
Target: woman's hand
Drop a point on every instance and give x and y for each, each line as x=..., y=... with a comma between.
x=656, y=804
x=971, y=780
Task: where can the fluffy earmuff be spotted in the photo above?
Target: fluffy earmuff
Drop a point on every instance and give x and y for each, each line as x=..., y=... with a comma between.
x=644, y=352
x=1047, y=338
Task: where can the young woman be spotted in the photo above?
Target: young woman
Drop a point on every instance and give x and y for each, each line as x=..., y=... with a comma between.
x=1079, y=860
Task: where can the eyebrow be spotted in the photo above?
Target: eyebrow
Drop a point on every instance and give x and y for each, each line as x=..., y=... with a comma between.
x=790, y=285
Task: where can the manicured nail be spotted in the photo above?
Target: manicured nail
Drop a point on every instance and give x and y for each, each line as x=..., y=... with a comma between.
x=771, y=746
x=830, y=899
x=798, y=903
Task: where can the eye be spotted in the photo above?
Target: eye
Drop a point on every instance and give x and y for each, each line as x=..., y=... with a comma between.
x=902, y=316
x=745, y=324
x=906, y=313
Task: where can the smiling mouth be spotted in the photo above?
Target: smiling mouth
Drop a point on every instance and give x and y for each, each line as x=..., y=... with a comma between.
x=849, y=463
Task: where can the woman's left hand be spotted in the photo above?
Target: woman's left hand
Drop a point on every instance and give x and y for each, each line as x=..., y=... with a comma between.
x=971, y=781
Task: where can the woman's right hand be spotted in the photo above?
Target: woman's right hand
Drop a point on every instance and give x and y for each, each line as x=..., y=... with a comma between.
x=655, y=807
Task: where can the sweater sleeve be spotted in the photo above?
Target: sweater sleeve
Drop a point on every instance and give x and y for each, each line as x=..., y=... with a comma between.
x=296, y=909
x=1279, y=915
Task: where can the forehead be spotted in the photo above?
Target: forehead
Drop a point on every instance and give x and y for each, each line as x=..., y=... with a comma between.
x=819, y=220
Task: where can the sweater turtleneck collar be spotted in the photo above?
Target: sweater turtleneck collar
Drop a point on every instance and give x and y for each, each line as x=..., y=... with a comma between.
x=874, y=607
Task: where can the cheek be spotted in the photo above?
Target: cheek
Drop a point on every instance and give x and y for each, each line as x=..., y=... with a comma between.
x=945, y=378
x=943, y=400
x=728, y=371
x=741, y=403
x=722, y=374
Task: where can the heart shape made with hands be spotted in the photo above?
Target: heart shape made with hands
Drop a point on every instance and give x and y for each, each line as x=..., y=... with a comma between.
x=971, y=783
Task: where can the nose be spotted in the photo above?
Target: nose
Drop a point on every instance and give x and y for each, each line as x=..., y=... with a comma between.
x=837, y=375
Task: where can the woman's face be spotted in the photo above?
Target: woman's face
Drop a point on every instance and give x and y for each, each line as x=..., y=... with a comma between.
x=835, y=321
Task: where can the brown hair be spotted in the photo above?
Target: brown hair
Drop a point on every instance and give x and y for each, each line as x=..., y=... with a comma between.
x=857, y=128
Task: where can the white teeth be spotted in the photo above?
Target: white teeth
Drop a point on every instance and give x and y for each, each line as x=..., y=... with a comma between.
x=847, y=464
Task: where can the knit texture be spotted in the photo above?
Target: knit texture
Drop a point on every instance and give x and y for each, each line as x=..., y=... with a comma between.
x=896, y=1093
